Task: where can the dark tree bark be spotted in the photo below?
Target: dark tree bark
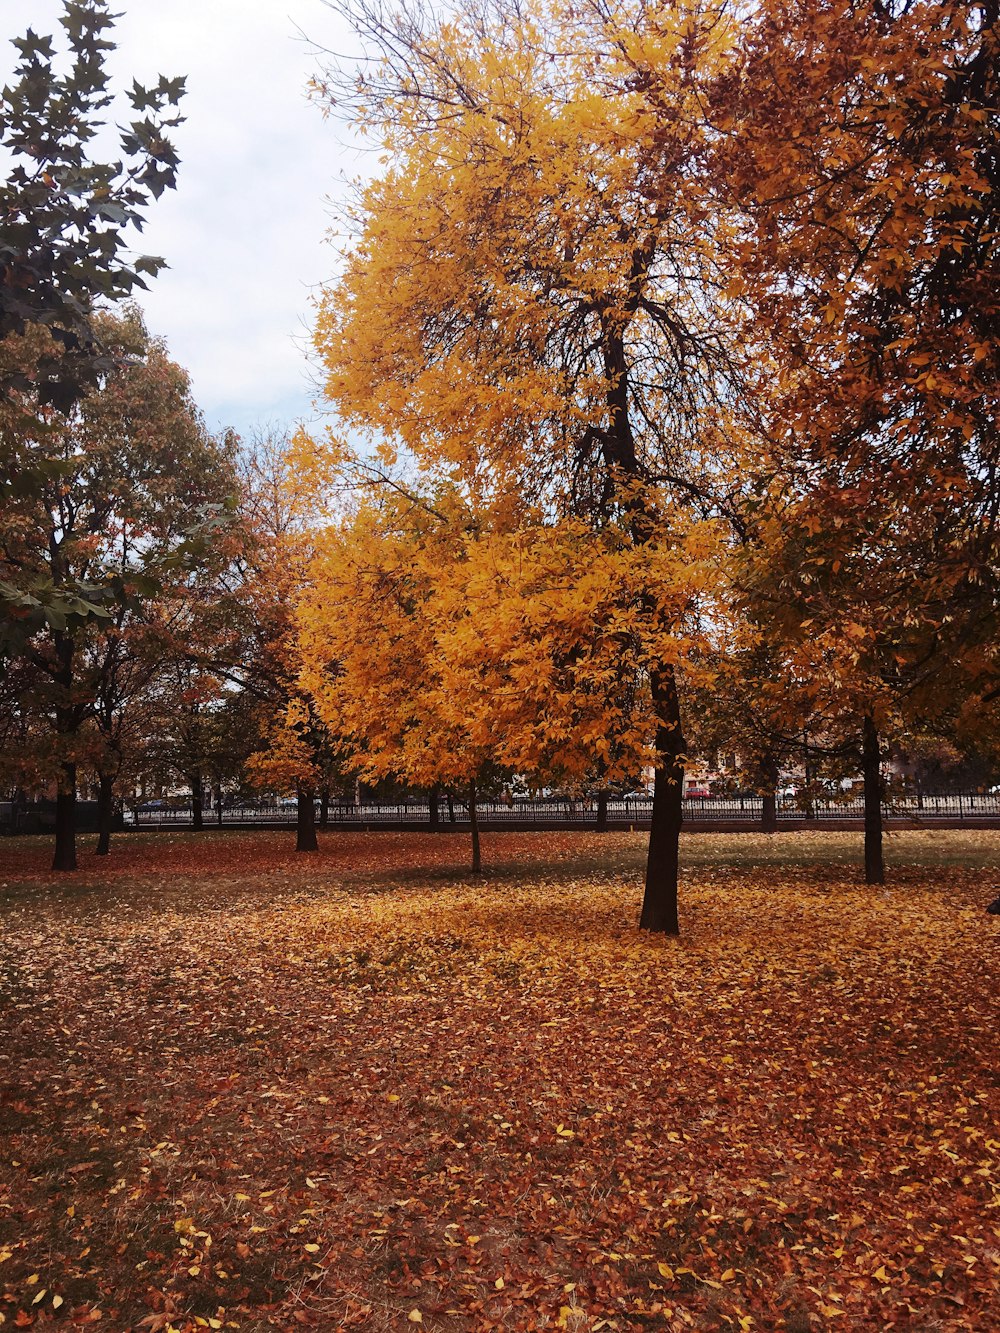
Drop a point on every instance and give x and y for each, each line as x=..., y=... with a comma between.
x=19, y=810
x=64, y=857
x=105, y=813
x=769, y=811
x=435, y=813
x=305, y=821
x=67, y=718
x=602, y=811
x=197, y=811
x=809, y=810
x=477, y=860
x=451, y=807
x=659, y=904
x=871, y=770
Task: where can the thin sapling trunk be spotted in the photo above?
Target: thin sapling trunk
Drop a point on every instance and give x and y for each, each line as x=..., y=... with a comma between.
x=305, y=821
x=197, y=808
x=477, y=860
x=105, y=813
x=871, y=770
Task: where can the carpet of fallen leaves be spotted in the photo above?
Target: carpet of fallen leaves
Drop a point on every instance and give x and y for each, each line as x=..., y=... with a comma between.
x=244, y=1089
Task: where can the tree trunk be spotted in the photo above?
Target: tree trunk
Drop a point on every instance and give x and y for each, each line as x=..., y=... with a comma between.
x=64, y=857
x=659, y=904
x=197, y=813
x=769, y=810
x=451, y=807
x=871, y=769
x=324, y=807
x=67, y=724
x=435, y=814
x=477, y=860
x=602, y=811
x=19, y=810
x=105, y=813
x=305, y=821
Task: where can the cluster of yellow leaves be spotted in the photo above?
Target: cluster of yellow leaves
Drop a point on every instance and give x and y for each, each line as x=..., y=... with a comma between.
x=532, y=213
x=435, y=640
x=289, y=761
x=589, y=214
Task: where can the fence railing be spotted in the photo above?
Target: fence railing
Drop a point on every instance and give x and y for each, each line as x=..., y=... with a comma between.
x=621, y=812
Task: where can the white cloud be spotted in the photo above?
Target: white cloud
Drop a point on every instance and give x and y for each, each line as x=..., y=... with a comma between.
x=243, y=233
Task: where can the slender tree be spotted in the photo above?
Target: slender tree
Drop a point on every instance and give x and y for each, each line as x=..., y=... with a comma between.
x=132, y=488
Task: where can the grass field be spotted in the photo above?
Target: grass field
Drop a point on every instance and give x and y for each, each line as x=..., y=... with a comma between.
x=247, y=1089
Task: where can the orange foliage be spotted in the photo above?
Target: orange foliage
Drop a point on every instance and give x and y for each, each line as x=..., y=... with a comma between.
x=436, y=640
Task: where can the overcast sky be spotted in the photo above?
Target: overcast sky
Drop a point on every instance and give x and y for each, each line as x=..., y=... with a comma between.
x=244, y=231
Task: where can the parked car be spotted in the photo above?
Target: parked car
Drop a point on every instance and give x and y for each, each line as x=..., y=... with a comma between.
x=697, y=791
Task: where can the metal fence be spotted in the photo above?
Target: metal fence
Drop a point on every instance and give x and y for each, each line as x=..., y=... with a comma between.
x=622, y=812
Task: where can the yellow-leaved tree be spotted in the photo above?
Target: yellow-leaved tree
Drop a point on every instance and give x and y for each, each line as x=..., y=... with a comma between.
x=437, y=640
x=531, y=304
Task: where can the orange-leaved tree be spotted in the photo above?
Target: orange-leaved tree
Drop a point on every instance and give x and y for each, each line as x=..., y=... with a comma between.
x=260, y=647
x=440, y=638
x=859, y=144
x=532, y=302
